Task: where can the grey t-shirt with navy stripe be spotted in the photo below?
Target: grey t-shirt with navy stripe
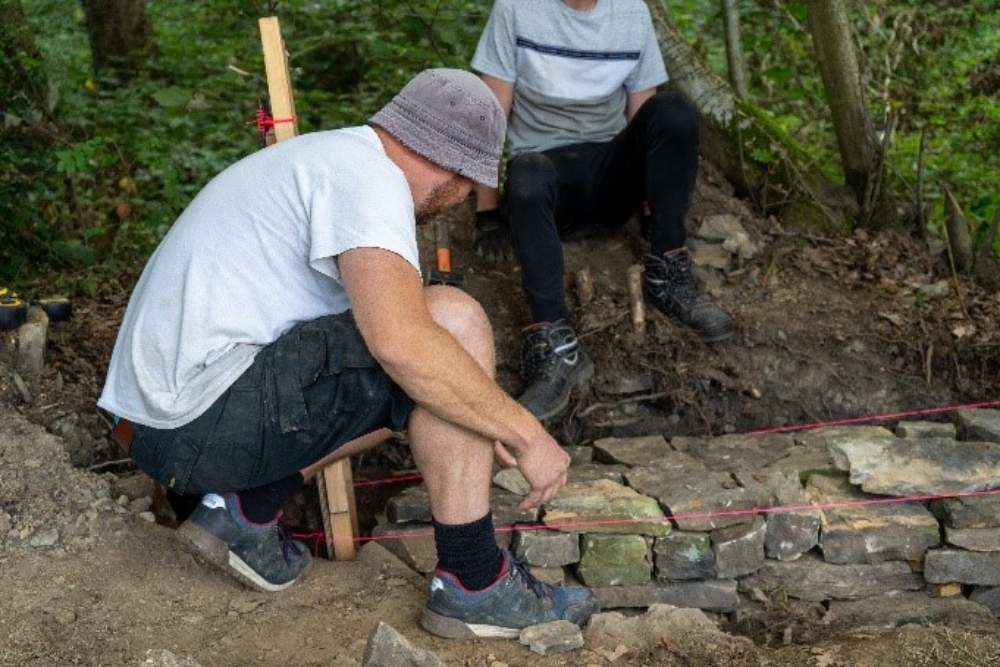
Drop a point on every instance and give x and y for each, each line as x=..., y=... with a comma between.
x=571, y=70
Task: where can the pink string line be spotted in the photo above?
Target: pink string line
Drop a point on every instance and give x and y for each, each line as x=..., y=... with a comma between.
x=778, y=509
x=779, y=429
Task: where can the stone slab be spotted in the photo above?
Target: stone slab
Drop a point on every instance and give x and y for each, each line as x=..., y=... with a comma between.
x=900, y=608
x=550, y=575
x=944, y=566
x=614, y=560
x=973, y=539
x=988, y=597
x=896, y=467
x=921, y=429
x=716, y=595
x=814, y=580
x=554, y=637
x=546, y=548
x=732, y=453
x=789, y=533
x=968, y=512
x=682, y=556
x=869, y=533
x=692, y=494
x=581, y=507
x=511, y=479
x=739, y=550
x=631, y=451
x=589, y=472
x=414, y=544
x=979, y=425
x=387, y=648
x=579, y=454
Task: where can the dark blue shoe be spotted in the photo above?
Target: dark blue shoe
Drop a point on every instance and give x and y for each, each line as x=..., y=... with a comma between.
x=258, y=555
x=516, y=600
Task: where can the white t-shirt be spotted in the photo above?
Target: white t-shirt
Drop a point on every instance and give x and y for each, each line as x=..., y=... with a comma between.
x=252, y=255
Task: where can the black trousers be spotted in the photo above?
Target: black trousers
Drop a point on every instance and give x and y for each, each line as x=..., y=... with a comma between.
x=574, y=189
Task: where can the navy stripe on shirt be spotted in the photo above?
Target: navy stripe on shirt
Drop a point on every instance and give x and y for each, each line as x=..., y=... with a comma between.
x=576, y=53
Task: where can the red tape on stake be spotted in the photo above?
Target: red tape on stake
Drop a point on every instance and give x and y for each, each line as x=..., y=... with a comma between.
x=265, y=121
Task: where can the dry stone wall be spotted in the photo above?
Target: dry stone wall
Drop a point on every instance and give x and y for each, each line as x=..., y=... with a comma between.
x=648, y=521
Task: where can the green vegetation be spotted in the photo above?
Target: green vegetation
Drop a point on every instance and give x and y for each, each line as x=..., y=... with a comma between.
x=94, y=174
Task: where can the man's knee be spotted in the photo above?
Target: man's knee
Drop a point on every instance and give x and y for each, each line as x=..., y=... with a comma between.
x=463, y=318
x=669, y=113
x=531, y=179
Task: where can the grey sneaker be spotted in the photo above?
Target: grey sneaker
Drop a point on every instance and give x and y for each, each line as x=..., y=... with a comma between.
x=515, y=601
x=670, y=285
x=553, y=364
x=258, y=555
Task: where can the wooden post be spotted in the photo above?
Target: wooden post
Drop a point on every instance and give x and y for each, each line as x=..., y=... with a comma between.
x=334, y=482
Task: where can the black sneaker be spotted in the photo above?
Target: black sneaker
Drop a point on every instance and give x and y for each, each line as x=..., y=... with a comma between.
x=258, y=555
x=553, y=363
x=670, y=285
x=516, y=600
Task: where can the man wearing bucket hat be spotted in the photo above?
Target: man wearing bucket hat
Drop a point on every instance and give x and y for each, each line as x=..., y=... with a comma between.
x=282, y=321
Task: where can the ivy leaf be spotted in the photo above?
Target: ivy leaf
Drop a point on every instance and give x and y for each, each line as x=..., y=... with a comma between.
x=172, y=97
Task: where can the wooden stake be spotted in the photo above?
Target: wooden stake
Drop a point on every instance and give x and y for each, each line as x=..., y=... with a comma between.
x=637, y=305
x=335, y=483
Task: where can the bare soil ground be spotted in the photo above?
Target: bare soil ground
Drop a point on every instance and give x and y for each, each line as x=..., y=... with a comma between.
x=828, y=328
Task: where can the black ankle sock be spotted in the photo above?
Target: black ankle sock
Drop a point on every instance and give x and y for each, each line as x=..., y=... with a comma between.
x=469, y=551
x=261, y=505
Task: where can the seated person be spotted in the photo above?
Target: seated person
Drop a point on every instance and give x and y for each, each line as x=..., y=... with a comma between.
x=592, y=143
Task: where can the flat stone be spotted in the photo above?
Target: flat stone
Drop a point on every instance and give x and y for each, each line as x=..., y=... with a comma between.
x=979, y=425
x=944, y=566
x=579, y=454
x=413, y=505
x=896, y=467
x=813, y=580
x=554, y=637
x=732, y=453
x=581, y=507
x=926, y=430
x=589, y=472
x=550, y=575
x=739, y=550
x=710, y=255
x=716, y=595
x=614, y=560
x=414, y=544
x=631, y=451
x=899, y=608
x=388, y=648
x=720, y=227
x=688, y=631
x=987, y=596
x=506, y=512
x=44, y=538
x=969, y=512
x=546, y=548
x=973, y=539
x=789, y=533
x=682, y=556
x=869, y=533
x=511, y=479
x=692, y=494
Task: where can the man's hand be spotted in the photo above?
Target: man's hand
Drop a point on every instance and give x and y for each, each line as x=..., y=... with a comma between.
x=492, y=241
x=543, y=464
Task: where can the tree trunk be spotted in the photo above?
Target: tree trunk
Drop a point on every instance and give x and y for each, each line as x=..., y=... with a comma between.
x=23, y=86
x=734, y=48
x=751, y=150
x=833, y=42
x=121, y=36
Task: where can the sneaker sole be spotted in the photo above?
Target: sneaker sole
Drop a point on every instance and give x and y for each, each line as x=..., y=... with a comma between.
x=210, y=550
x=584, y=373
x=453, y=628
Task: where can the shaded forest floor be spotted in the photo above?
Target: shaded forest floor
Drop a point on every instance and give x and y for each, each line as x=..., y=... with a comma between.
x=827, y=328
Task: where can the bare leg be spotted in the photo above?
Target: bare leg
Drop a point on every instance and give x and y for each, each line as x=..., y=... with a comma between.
x=456, y=464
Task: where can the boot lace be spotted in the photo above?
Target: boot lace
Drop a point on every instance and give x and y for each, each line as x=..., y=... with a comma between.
x=541, y=589
x=673, y=276
x=546, y=347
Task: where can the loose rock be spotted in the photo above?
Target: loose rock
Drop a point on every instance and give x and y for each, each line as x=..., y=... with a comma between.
x=591, y=472
x=614, y=560
x=681, y=556
x=926, y=430
x=739, y=550
x=420, y=553
x=388, y=648
x=546, y=548
x=971, y=512
x=715, y=595
x=974, y=539
x=44, y=538
x=979, y=425
x=813, y=580
x=512, y=480
x=554, y=637
x=631, y=451
x=967, y=567
x=579, y=507
x=550, y=575
x=901, y=608
x=988, y=597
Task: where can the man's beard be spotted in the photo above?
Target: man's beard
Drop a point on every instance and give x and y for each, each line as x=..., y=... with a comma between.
x=442, y=197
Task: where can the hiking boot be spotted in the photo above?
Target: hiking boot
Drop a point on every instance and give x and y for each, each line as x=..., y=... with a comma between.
x=553, y=363
x=670, y=285
x=516, y=600
x=258, y=555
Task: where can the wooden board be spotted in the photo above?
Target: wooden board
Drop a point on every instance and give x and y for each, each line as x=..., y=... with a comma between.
x=335, y=483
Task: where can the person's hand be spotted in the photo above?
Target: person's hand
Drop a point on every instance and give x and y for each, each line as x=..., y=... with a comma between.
x=492, y=241
x=544, y=464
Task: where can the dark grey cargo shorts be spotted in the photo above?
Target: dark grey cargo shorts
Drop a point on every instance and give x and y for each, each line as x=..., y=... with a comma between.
x=312, y=390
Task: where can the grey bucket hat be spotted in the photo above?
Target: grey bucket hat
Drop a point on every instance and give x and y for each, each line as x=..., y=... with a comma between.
x=451, y=118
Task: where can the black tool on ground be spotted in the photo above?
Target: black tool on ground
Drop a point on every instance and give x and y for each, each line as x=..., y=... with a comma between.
x=58, y=308
x=442, y=273
x=13, y=311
